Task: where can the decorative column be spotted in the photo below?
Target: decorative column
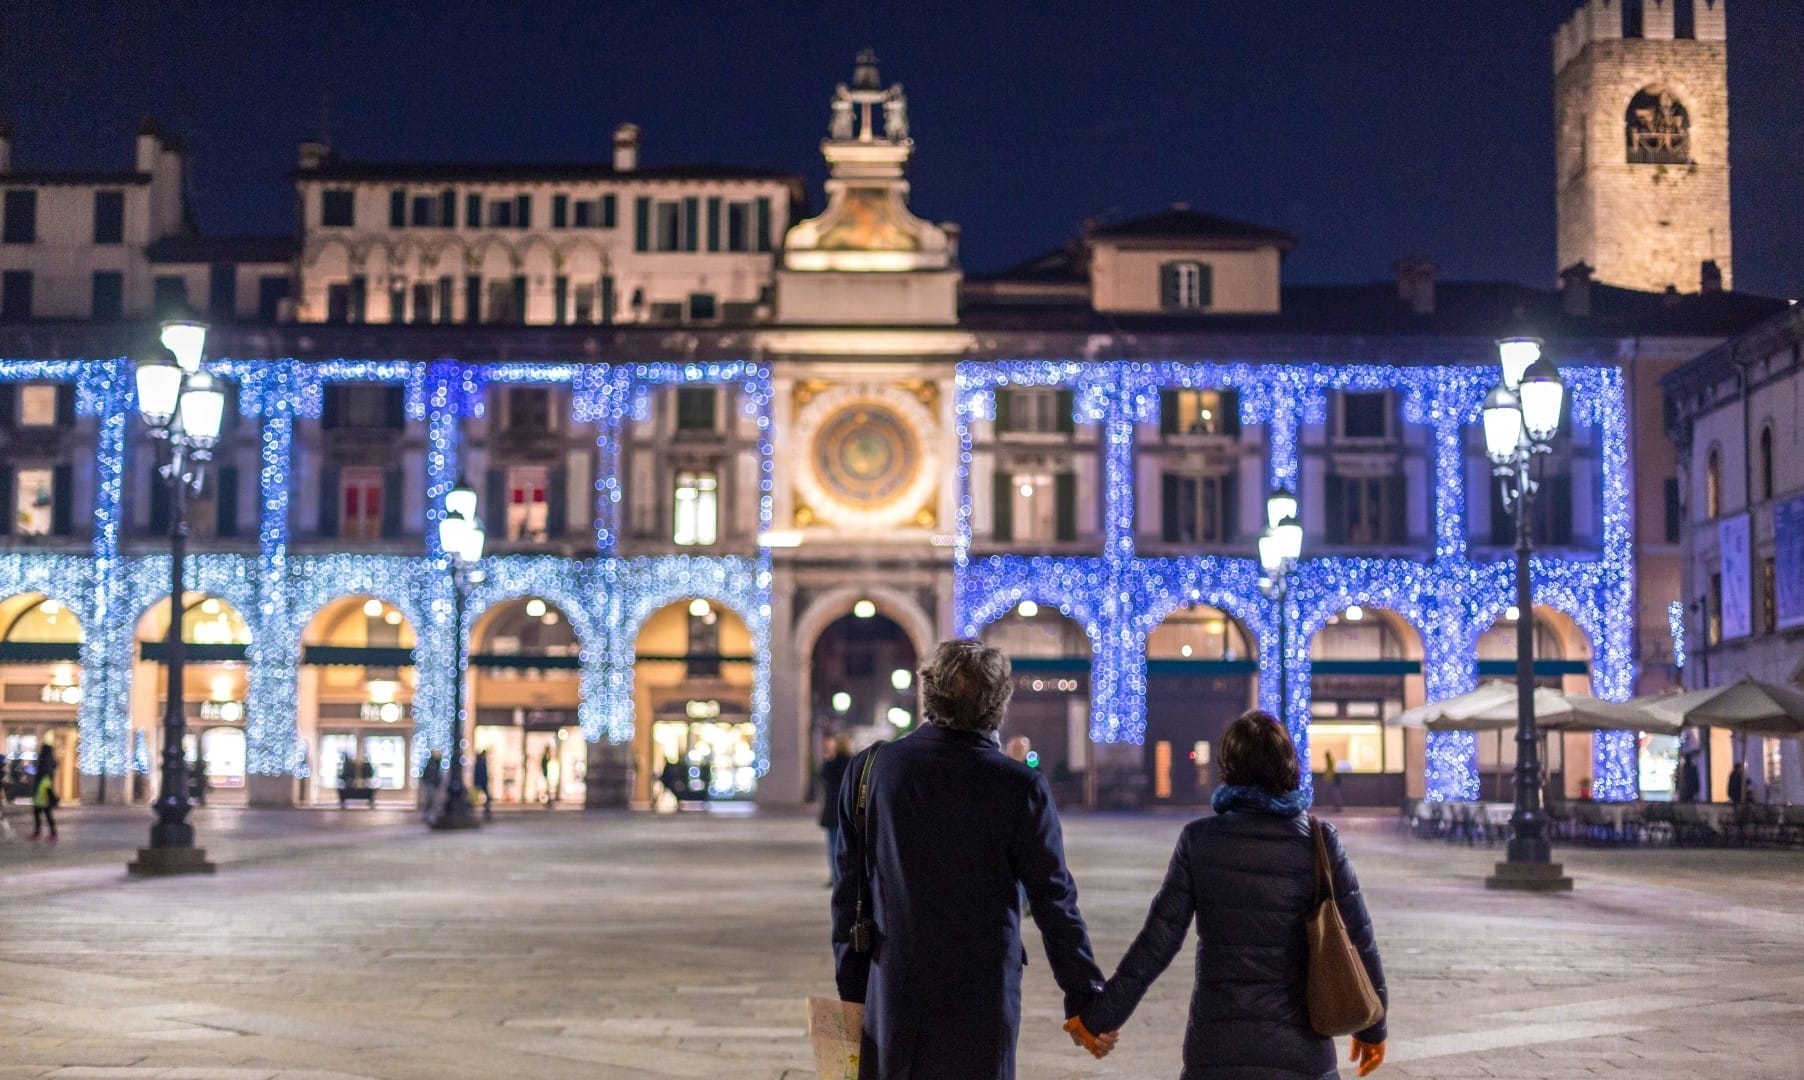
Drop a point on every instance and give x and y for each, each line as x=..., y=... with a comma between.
x=274, y=755
x=103, y=391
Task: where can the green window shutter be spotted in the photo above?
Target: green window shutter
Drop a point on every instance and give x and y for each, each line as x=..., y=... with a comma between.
x=1396, y=492
x=1064, y=402
x=225, y=502
x=1230, y=410
x=556, y=519
x=763, y=228
x=1002, y=404
x=519, y=298
x=560, y=211
x=523, y=211
x=473, y=211
x=395, y=400
x=391, y=503
x=561, y=294
x=62, y=479
x=1336, y=500
x=329, y=499
x=1168, y=286
x=607, y=299
x=1168, y=508
x=609, y=212
x=1230, y=508
x=65, y=405
x=159, y=504
x=1560, y=509
x=8, y=410
x=692, y=217
x=495, y=521
x=6, y=497
x=473, y=299
x=397, y=209
x=642, y=224
x=1205, y=285
x=447, y=209
x=1064, y=489
x=1003, y=496
x=714, y=223
x=1168, y=412
x=1503, y=525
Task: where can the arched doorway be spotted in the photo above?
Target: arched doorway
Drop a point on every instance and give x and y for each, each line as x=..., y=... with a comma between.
x=1365, y=668
x=692, y=679
x=1201, y=665
x=215, y=678
x=1562, y=662
x=863, y=684
x=40, y=667
x=525, y=687
x=1051, y=658
x=355, y=712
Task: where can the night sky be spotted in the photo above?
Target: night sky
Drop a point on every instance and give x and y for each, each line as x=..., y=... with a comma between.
x=1370, y=128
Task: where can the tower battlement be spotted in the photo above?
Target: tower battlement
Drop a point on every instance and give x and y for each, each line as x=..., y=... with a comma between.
x=1653, y=20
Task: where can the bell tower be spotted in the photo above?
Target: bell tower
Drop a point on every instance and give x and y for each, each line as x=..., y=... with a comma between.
x=1641, y=98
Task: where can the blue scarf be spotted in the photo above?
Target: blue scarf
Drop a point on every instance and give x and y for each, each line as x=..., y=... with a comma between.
x=1258, y=800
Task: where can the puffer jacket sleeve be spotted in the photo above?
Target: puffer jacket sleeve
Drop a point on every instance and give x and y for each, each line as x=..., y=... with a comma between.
x=1152, y=951
x=1359, y=928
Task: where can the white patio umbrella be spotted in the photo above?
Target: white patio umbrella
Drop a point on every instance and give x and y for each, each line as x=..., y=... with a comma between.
x=1747, y=706
x=1492, y=707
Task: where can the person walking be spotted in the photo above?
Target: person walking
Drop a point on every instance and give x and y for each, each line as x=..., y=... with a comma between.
x=1690, y=784
x=1331, y=779
x=429, y=781
x=197, y=781
x=1738, y=784
x=1246, y=879
x=545, y=775
x=950, y=826
x=479, y=779
x=837, y=755
x=43, y=795
x=672, y=779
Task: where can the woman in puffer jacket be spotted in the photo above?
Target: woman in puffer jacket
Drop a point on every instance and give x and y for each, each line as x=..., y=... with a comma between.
x=1247, y=878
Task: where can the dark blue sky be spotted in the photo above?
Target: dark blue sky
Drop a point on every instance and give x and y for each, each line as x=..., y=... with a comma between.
x=1371, y=128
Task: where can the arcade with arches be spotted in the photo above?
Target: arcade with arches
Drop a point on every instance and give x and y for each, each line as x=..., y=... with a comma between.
x=40, y=693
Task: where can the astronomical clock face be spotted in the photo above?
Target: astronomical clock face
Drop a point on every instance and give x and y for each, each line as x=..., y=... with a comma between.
x=870, y=457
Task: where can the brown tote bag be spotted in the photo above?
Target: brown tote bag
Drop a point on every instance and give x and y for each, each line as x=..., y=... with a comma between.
x=1341, y=998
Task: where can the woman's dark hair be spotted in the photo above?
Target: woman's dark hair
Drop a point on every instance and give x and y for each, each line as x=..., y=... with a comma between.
x=1256, y=751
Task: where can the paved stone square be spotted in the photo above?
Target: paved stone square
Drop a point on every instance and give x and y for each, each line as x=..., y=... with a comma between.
x=347, y=944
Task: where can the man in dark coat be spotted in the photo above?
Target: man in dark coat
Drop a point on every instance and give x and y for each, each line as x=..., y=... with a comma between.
x=833, y=775
x=953, y=826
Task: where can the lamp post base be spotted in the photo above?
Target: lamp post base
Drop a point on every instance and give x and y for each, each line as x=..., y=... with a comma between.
x=170, y=861
x=1529, y=877
x=456, y=815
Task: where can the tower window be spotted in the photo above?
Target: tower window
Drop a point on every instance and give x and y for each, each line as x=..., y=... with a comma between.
x=1659, y=129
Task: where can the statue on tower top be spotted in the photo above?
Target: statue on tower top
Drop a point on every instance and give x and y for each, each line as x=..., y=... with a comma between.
x=854, y=108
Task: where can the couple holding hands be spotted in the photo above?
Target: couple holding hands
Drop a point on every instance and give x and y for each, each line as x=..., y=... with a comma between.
x=941, y=833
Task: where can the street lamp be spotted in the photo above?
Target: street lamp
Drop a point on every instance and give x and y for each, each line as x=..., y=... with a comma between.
x=1521, y=416
x=461, y=537
x=182, y=408
x=1279, y=550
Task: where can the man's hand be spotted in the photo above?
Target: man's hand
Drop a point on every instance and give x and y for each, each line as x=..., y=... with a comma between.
x=1369, y=1056
x=1098, y=1045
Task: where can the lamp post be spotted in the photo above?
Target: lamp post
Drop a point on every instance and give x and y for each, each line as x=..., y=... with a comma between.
x=182, y=408
x=1521, y=416
x=460, y=535
x=1279, y=549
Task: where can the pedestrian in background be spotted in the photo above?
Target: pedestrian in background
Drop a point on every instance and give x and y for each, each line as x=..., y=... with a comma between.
x=1331, y=778
x=43, y=794
x=197, y=780
x=479, y=777
x=429, y=780
x=1246, y=878
x=1738, y=784
x=672, y=779
x=837, y=756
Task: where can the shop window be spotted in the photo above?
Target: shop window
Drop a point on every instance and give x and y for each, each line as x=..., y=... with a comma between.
x=1199, y=509
x=697, y=510
x=702, y=659
x=360, y=504
x=696, y=409
x=1199, y=412
x=527, y=505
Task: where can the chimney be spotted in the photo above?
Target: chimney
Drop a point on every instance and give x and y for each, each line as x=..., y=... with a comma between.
x=1710, y=277
x=1575, y=289
x=626, y=148
x=1671, y=298
x=313, y=154
x=150, y=145
x=1415, y=283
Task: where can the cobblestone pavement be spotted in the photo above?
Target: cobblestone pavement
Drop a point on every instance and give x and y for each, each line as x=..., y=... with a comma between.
x=345, y=945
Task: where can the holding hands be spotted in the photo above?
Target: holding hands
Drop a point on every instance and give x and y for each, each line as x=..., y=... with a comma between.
x=1098, y=1045
x=1369, y=1056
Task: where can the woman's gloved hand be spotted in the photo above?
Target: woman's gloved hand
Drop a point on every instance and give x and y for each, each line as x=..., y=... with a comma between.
x=1368, y=1055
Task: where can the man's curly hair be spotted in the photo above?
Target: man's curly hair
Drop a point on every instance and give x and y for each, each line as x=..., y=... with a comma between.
x=965, y=685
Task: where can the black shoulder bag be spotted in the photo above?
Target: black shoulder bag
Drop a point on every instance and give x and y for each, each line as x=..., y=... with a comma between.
x=864, y=930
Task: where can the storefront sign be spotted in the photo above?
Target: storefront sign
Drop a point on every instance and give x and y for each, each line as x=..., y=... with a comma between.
x=222, y=712
x=1738, y=593
x=388, y=712
x=61, y=695
x=1788, y=561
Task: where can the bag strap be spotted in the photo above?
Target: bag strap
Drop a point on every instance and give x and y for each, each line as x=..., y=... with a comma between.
x=1324, y=874
x=863, y=813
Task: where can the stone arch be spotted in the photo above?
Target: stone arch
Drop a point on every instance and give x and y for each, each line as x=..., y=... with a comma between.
x=328, y=256
x=512, y=578
x=834, y=604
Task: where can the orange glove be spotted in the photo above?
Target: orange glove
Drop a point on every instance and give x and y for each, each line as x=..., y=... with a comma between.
x=1098, y=1045
x=1369, y=1056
